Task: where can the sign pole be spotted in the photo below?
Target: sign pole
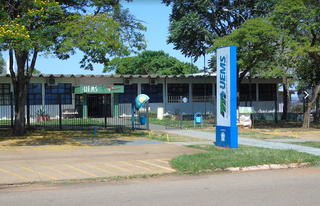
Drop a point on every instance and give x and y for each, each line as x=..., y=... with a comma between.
x=226, y=128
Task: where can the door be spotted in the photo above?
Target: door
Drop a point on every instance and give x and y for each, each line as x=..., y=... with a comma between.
x=99, y=105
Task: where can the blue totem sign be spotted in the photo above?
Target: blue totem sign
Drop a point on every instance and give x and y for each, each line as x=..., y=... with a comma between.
x=226, y=129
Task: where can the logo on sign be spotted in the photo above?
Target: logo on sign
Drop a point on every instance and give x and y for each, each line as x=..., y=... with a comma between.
x=223, y=96
x=110, y=88
x=223, y=136
x=223, y=103
x=87, y=89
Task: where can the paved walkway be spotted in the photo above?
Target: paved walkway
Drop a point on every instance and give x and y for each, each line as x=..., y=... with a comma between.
x=23, y=164
x=273, y=144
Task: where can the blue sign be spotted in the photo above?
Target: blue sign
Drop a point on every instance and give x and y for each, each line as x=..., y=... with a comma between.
x=226, y=129
x=185, y=100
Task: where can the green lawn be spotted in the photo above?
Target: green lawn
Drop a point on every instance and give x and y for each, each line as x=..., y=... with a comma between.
x=218, y=158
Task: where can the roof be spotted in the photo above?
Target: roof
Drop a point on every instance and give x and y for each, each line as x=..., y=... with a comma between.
x=135, y=76
x=115, y=76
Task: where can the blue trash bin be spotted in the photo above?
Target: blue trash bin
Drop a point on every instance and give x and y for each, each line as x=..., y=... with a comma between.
x=142, y=118
x=198, y=119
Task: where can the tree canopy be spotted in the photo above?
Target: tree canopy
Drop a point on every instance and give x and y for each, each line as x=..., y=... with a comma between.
x=286, y=43
x=195, y=24
x=150, y=62
x=300, y=19
x=98, y=28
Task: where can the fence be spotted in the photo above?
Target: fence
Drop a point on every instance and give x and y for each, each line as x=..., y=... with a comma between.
x=179, y=114
x=98, y=111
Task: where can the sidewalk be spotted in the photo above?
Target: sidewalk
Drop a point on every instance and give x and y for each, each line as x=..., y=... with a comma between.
x=211, y=137
x=23, y=164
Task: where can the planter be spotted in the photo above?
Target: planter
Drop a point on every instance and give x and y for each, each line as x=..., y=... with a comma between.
x=175, y=117
x=43, y=118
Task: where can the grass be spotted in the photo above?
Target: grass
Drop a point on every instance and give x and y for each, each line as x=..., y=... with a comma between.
x=258, y=135
x=255, y=135
x=217, y=158
x=186, y=123
x=308, y=144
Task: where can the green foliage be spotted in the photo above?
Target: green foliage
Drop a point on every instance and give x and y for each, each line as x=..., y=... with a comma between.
x=98, y=28
x=42, y=111
x=61, y=27
x=176, y=111
x=299, y=19
x=256, y=42
x=195, y=24
x=150, y=62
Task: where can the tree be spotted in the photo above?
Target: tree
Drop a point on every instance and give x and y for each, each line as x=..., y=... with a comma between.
x=2, y=64
x=301, y=20
x=31, y=27
x=195, y=24
x=256, y=42
x=151, y=62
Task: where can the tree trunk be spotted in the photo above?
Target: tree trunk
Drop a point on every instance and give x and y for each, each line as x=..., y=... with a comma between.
x=20, y=83
x=285, y=102
x=316, y=116
x=306, y=120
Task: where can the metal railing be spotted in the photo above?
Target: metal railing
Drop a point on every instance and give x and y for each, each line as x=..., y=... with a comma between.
x=100, y=112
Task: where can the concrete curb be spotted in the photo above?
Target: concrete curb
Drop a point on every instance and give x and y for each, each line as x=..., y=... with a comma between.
x=264, y=167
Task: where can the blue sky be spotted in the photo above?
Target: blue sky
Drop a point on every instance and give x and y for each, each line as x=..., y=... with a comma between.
x=156, y=18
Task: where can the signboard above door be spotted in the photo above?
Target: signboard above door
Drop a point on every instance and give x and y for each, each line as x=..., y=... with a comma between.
x=99, y=89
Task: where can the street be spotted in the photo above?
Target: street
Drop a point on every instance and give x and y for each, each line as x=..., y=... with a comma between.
x=270, y=187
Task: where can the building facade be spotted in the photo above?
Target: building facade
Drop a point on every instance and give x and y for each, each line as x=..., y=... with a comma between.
x=88, y=94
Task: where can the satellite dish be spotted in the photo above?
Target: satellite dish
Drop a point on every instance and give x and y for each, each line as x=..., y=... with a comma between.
x=302, y=94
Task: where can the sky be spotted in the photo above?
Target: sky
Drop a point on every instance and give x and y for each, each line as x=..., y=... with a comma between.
x=156, y=18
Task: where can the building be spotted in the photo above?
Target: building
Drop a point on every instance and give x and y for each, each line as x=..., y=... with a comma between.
x=88, y=94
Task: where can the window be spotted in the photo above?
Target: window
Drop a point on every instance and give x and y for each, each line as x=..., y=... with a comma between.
x=35, y=94
x=244, y=92
x=267, y=92
x=62, y=90
x=5, y=94
x=175, y=91
x=155, y=92
x=198, y=93
x=130, y=93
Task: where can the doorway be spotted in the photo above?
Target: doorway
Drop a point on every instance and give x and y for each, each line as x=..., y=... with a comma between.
x=98, y=105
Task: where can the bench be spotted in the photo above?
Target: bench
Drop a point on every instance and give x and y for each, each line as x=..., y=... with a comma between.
x=69, y=113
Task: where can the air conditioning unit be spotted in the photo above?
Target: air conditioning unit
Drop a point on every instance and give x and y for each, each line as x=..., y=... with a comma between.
x=153, y=81
x=127, y=81
x=52, y=81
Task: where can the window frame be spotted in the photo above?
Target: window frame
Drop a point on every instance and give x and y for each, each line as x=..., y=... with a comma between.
x=198, y=93
x=174, y=96
x=155, y=92
x=34, y=96
x=267, y=92
x=63, y=90
x=5, y=94
x=244, y=91
x=129, y=94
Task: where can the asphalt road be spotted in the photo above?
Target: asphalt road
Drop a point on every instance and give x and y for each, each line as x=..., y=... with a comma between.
x=271, y=187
